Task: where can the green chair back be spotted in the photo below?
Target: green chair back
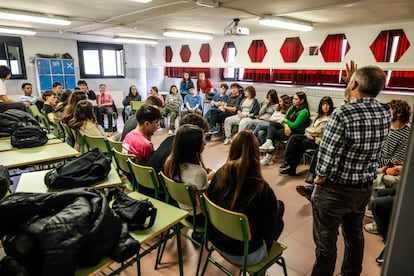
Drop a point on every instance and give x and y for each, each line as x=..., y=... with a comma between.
x=93, y=142
x=69, y=137
x=180, y=192
x=135, y=105
x=59, y=129
x=122, y=165
x=145, y=176
x=114, y=145
x=236, y=225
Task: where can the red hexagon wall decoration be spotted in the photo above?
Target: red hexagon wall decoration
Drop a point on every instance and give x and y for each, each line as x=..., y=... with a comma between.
x=185, y=53
x=205, y=52
x=291, y=49
x=390, y=45
x=257, y=50
x=168, y=53
x=334, y=48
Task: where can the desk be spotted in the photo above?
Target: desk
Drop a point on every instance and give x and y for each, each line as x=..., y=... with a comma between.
x=33, y=182
x=5, y=144
x=168, y=216
x=31, y=156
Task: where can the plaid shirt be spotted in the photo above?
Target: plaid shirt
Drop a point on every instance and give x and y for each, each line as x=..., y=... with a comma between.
x=351, y=144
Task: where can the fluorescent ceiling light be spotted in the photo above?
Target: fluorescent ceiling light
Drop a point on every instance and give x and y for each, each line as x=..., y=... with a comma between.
x=189, y=35
x=142, y=1
x=284, y=23
x=17, y=31
x=134, y=40
x=35, y=18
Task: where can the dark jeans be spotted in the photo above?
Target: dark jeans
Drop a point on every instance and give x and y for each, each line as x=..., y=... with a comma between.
x=296, y=146
x=217, y=116
x=99, y=116
x=276, y=131
x=333, y=205
x=108, y=110
x=16, y=105
x=381, y=207
x=260, y=131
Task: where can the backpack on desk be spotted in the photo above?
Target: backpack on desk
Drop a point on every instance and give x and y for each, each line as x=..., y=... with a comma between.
x=11, y=119
x=83, y=171
x=28, y=137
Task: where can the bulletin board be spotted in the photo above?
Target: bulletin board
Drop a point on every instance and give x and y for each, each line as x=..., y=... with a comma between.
x=55, y=70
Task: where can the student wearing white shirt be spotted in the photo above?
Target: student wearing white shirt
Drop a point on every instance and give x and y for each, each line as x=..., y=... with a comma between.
x=5, y=101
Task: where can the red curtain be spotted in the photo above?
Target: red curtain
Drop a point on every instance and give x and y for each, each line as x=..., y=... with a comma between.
x=168, y=53
x=331, y=48
x=177, y=72
x=257, y=51
x=379, y=46
x=402, y=79
x=256, y=74
x=403, y=45
x=291, y=49
x=284, y=75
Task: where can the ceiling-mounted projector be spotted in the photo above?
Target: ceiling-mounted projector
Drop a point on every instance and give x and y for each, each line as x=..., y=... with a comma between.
x=234, y=29
x=208, y=3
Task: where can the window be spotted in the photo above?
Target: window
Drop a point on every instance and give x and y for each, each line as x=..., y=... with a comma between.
x=11, y=54
x=101, y=60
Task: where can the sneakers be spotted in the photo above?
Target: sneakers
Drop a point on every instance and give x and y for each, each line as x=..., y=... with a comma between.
x=304, y=191
x=288, y=171
x=213, y=130
x=371, y=228
x=207, y=138
x=227, y=141
x=267, y=160
x=368, y=213
x=283, y=165
x=267, y=145
x=170, y=132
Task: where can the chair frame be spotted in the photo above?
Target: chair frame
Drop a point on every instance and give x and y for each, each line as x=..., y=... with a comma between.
x=145, y=176
x=123, y=166
x=214, y=214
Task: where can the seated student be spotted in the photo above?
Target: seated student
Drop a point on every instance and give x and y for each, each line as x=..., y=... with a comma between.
x=49, y=98
x=228, y=109
x=154, y=92
x=82, y=85
x=267, y=108
x=133, y=95
x=28, y=99
x=5, y=101
x=295, y=122
x=132, y=122
x=260, y=131
x=204, y=85
x=239, y=186
x=218, y=100
x=84, y=121
x=69, y=111
x=173, y=102
x=192, y=102
x=184, y=164
x=138, y=141
x=57, y=87
x=64, y=100
x=185, y=84
x=105, y=103
x=299, y=143
x=248, y=109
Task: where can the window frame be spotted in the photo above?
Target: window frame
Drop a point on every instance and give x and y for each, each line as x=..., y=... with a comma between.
x=6, y=41
x=100, y=47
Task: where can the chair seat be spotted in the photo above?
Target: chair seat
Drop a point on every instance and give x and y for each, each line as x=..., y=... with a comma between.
x=189, y=225
x=275, y=251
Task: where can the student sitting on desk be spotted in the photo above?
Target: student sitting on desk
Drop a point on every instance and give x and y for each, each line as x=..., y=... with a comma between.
x=5, y=101
x=192, y=102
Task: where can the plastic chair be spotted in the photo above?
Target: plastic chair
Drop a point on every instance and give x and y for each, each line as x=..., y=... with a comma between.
x=34, y=110
x=236, y=226
x=59, y=129
x=93, y=142
x=69, y=137
x=123, y=167
x=135, y=105
x=145, y=176
x=308, y=154
x=184, y=193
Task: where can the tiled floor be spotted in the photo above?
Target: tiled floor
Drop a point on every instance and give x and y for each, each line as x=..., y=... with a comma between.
x=297, y=235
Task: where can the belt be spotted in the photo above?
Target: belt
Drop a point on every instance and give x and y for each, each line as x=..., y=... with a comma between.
x=358, y=186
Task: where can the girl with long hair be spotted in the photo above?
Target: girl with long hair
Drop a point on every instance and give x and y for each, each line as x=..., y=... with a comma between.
x=74, y=98
x=184, y=164
x=173, y=102
x=133, y=95
x=239, y=186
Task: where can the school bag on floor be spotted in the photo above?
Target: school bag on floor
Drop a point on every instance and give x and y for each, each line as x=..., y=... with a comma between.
x=83, y=171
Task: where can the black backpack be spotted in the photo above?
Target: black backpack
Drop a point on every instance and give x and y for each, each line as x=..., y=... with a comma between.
x=14, y=118
x=28, y=137
x=83, y=171
x=4, y=181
